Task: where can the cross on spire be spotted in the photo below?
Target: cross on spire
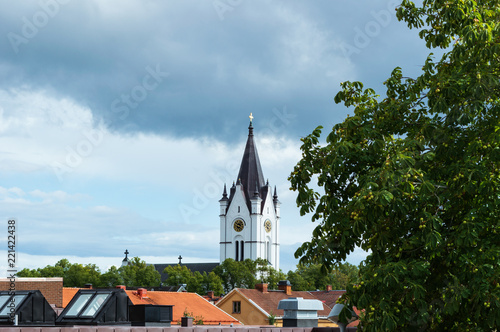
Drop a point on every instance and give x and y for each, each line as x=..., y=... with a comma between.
x=251, y=117
x=126, y=253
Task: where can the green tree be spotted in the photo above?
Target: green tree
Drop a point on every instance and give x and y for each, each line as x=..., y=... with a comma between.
x=64, y=264
x=78, y=275
x=298, y=282
x=195, y=282
x=139, y=274
x=51, y=271
x=27, y=273
x=178, y=275
x=267, y=274
x=311, y=277
x=414, y=178
x=111, y=278
x=241, y=274
x=211, y=282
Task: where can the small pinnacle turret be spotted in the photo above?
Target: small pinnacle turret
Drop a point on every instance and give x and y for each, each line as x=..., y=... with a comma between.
x=224, y=194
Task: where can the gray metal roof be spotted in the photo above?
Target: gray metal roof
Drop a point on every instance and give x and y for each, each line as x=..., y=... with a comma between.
x=200, y=267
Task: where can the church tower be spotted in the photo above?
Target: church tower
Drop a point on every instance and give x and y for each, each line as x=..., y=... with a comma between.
x=250, y=214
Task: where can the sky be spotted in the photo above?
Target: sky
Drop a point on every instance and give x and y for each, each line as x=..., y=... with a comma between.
x=120, y=121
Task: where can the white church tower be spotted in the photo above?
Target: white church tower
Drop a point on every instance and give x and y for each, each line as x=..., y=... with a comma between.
x=250, y=215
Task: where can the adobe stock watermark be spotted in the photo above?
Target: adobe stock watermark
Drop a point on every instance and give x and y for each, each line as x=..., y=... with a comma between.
x=32, y=25
x=280, y=120
x=223, y=6
x=139, y=92
x=204, y=197
x=372, y=29
x=94, y=137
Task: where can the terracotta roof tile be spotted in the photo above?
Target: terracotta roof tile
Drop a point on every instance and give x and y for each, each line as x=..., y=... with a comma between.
x=190, y=302
x=68, y=294
x=269, y=301
x=328, y=297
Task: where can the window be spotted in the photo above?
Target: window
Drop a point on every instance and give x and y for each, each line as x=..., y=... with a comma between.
x=236, y=248
x=238, y=209
x=17, y=299
x=236, y=307
x=94, y=306
x=242, y=243
x=30, y=307
x=3, y=299
x=79, y=304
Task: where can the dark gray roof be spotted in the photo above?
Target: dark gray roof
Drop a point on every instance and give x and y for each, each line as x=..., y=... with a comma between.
x=250, y=175
x=200, y=267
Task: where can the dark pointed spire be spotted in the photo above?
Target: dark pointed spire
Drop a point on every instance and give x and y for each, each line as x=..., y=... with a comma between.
x=250, y=170
x=224, y=194
x=275, y=196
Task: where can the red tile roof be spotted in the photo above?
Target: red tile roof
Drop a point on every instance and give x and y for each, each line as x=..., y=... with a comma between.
x=269, y=301
x=328, y=297
x=190, y=302
x=68, y=294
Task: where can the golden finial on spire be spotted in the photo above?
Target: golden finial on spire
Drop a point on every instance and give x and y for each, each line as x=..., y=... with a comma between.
x=251, y=117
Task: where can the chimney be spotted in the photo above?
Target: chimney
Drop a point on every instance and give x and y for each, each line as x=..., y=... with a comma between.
x=328, y=288
x=284, y=285
x=261, y=287
x=142, y=292
x=88, y=286
x=121, y=287
x=210, y=294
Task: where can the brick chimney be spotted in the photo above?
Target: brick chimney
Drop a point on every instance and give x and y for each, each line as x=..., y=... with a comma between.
x=142, y=292
x=285, y=286
x=261, y=287
x=328, y=288
x=210, y=294
x=88, y=286
x=121, y=287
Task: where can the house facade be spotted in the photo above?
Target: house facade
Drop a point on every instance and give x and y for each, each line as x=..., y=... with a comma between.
x=257, y=306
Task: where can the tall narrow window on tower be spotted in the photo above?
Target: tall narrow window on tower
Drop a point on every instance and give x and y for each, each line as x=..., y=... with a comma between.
x=250, y=212
x=268, y=251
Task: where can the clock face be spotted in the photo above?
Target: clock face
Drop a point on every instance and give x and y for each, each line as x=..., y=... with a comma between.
x=238, y=225
x=268, y=226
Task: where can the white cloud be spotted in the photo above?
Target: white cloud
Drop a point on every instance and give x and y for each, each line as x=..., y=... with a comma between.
x=191, y=173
